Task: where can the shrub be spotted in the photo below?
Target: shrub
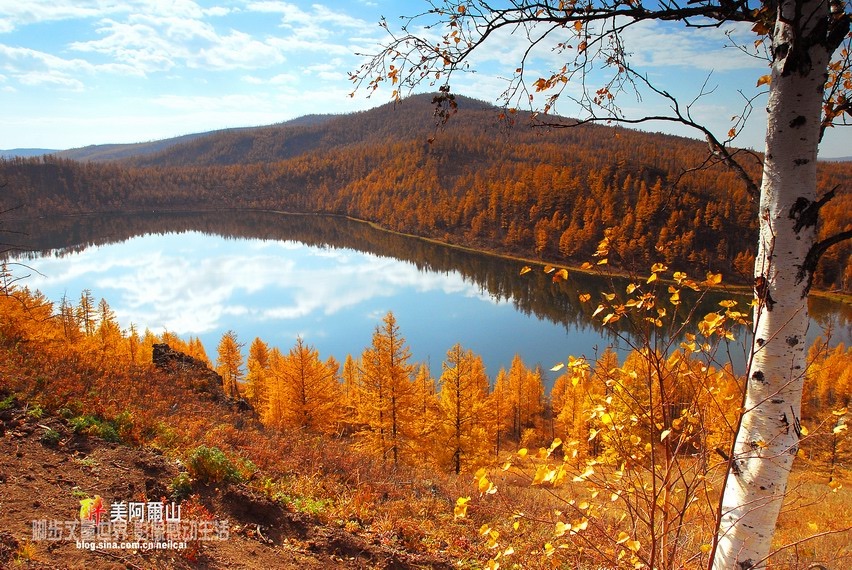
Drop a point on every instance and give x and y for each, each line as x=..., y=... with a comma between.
x=7, y=403
x=181, y=486
x=211, y=465
x=93, y=425
x=50, y=438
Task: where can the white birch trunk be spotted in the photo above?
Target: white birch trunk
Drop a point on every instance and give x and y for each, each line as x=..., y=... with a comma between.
x=768, y=438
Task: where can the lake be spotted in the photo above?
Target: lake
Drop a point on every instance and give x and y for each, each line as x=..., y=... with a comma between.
x=327, y=279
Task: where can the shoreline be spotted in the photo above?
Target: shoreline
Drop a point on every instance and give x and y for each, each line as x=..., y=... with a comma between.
x=739, y=289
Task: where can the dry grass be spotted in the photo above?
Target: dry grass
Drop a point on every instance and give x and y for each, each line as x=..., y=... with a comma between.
x=815, y=526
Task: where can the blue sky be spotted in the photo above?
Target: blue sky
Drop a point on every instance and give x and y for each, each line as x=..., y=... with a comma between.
x=79, y=72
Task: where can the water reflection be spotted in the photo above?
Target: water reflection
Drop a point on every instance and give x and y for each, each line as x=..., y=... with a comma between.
x=327, y=279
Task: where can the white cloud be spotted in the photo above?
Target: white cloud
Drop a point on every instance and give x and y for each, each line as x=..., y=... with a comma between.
x=238, y=50
x=164, y=289
x=19, y=13
x=32, y=67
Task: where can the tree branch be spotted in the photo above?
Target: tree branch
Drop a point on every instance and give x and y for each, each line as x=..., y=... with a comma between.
x=806, y=270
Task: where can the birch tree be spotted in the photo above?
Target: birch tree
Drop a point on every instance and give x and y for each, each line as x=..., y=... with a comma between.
x=806, y=45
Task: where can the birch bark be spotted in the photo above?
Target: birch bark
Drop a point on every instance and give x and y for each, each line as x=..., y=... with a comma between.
x=768, y=438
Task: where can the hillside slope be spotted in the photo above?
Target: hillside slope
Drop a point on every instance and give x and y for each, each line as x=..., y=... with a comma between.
x=43, y=482
x=503, y=185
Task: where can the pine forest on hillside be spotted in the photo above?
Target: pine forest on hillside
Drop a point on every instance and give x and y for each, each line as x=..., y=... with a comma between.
x=539, y=193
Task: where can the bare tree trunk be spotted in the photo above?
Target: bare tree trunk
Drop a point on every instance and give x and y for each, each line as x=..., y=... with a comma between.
x=768, y=438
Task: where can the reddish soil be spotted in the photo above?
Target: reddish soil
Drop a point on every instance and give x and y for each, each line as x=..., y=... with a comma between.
x=44, y=480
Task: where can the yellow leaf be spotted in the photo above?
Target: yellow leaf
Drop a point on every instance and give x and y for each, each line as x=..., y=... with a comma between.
x=509, y=551
x=838, y=429
x=540, y=475
x=580, y=526
x=584, y=297
x=608, y=296
x=633, y=545
x=525, y=269
x=813, y=526
x=586, y=265
x=549, y=269
x=622, y=537
x=556, y=443
x=804, y=430
x=632, y=287
x=585, y=475
x=598, y=310
x=713, y=278
x=460, y=510
x=560, y=275
x=652, y=278
x=658, y=267
x=665, y=434
x=610, y=318
x=606, y=419
x=764, y=80
x=705, y=548
x=561, y=528
x=558, y=367
x=603, y=261
x=523, y=452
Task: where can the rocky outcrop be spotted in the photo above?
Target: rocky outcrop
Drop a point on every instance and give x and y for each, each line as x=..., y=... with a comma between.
x=196, y=373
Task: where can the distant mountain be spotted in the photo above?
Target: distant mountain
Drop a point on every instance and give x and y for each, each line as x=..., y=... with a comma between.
x=411, y=120
x=487, y=178
x=26, y=152
x=103, y=152
x=106, y=152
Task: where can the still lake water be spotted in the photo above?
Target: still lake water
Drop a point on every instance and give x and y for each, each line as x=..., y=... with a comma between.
x=328, y=280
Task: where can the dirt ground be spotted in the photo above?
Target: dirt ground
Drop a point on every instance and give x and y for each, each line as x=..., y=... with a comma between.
x=43, y=479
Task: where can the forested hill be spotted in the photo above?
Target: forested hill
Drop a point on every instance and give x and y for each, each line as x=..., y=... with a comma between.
x=110, y=152
x=482, y=181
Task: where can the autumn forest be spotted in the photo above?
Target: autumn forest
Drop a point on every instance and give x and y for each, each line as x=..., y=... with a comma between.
x=477, y=181
x=615, y=464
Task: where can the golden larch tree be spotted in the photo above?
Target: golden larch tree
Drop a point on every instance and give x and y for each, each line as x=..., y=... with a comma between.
x=229, y=364
x=464, y=409
x=257, y=376
x=387, y=392
x=304, y=391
